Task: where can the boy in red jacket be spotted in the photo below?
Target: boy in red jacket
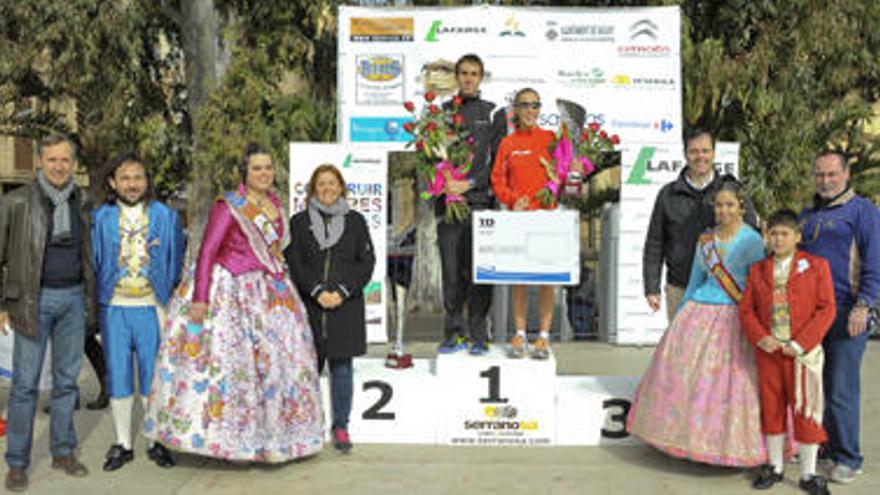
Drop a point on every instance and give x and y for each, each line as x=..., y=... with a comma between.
x=787, y=309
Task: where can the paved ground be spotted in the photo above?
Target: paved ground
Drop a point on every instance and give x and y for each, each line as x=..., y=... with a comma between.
x=393, y=469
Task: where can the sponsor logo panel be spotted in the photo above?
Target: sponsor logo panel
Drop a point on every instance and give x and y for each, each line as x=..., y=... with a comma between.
x=663, y=125
x=579, y=33
x=647, y=83
x=642, y=41
x=379, y=80
x=378, y=130
x=512, y=28
x=382, y=29
x=441, y=30
x=582, y=77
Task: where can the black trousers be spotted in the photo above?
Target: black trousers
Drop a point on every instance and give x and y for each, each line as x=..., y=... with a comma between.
x=95, y=353
x=456, y=259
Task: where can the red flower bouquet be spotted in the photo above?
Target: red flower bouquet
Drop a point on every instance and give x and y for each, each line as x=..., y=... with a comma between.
x=445, y=151
x=574, y=159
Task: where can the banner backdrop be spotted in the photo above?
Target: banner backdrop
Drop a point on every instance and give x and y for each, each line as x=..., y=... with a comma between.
x=645, y=170
x=364, y=169
x=622, y=65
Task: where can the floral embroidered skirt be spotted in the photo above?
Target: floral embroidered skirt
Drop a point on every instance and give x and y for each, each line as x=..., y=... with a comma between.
x=698, y=398
x=243, y=386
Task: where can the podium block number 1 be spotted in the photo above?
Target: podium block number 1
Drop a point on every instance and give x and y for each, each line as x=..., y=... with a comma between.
x=375, y=411
x=493, y=374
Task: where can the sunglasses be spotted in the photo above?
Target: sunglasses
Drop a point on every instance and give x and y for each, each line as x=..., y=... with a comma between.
x=534, y=105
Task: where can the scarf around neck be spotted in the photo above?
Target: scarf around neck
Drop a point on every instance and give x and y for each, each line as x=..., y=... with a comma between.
x=327, y=233
x=60, y=203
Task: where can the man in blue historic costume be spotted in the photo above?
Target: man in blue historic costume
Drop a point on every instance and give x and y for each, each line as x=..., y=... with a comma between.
x=139, y=248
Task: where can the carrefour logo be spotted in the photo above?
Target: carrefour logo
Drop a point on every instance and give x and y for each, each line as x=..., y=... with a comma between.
x=380, y=68
x=664, y=125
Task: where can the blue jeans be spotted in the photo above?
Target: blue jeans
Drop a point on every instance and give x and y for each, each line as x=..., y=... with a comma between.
x=62, y=319
x=341, y=390
x=843, y=362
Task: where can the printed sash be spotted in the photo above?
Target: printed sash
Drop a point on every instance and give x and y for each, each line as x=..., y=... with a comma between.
x=264, y=238
x=716, y=267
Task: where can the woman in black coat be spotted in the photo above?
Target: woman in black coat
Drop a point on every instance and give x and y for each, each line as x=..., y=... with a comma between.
x=331, y=260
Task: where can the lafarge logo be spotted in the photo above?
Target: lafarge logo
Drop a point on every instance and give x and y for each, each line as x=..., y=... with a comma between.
x=646, y=166
x=439, y=29
x=642, y=41
x=579, y=33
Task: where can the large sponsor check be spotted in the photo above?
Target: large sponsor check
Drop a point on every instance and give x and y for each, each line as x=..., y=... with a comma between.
x=533, y=247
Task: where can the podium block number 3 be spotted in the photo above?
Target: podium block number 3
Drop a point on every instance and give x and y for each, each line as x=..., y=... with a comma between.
x=616, y=411
x=375, y=411
x=493, y=374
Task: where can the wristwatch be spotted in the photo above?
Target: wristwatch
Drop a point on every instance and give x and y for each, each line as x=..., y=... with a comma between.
x=861, y=303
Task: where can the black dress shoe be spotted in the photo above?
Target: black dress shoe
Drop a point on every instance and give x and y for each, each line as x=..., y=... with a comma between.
x=117, y=457
x=767, y=477
x=102, y=402
x=160, y=455
x=816, y=485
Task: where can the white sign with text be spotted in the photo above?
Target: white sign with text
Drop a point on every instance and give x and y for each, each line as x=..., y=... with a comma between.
x=526, y=247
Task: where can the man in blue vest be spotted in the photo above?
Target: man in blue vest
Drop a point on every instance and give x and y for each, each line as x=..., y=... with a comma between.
x=844, y=228
x=139, y=247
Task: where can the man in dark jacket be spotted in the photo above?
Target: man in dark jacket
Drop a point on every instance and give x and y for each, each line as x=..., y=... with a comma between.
x=46, y=295
x=683, y=209
x=455, y=238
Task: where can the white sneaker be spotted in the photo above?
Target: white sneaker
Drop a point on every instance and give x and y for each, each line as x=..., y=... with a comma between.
x=844, y=474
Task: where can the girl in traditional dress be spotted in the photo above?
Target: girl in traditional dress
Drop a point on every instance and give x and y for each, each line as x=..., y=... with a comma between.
x=699, y=397
x=236, y=377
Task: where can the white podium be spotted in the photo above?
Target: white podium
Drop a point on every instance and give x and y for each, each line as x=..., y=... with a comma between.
x=488, y=400
x=390, y=406
x=495, y=400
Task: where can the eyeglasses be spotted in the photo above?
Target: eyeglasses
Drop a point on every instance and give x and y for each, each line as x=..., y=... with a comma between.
x=534, y=105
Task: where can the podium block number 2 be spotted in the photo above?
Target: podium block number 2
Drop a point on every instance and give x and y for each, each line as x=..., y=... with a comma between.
x=375, y=411
x=493, y=374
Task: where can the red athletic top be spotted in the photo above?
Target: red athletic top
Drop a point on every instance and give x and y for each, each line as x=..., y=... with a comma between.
x=518, y=171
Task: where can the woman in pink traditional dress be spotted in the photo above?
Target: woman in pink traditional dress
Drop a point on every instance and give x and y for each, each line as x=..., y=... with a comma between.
x=236, y=377
x=699, y=397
